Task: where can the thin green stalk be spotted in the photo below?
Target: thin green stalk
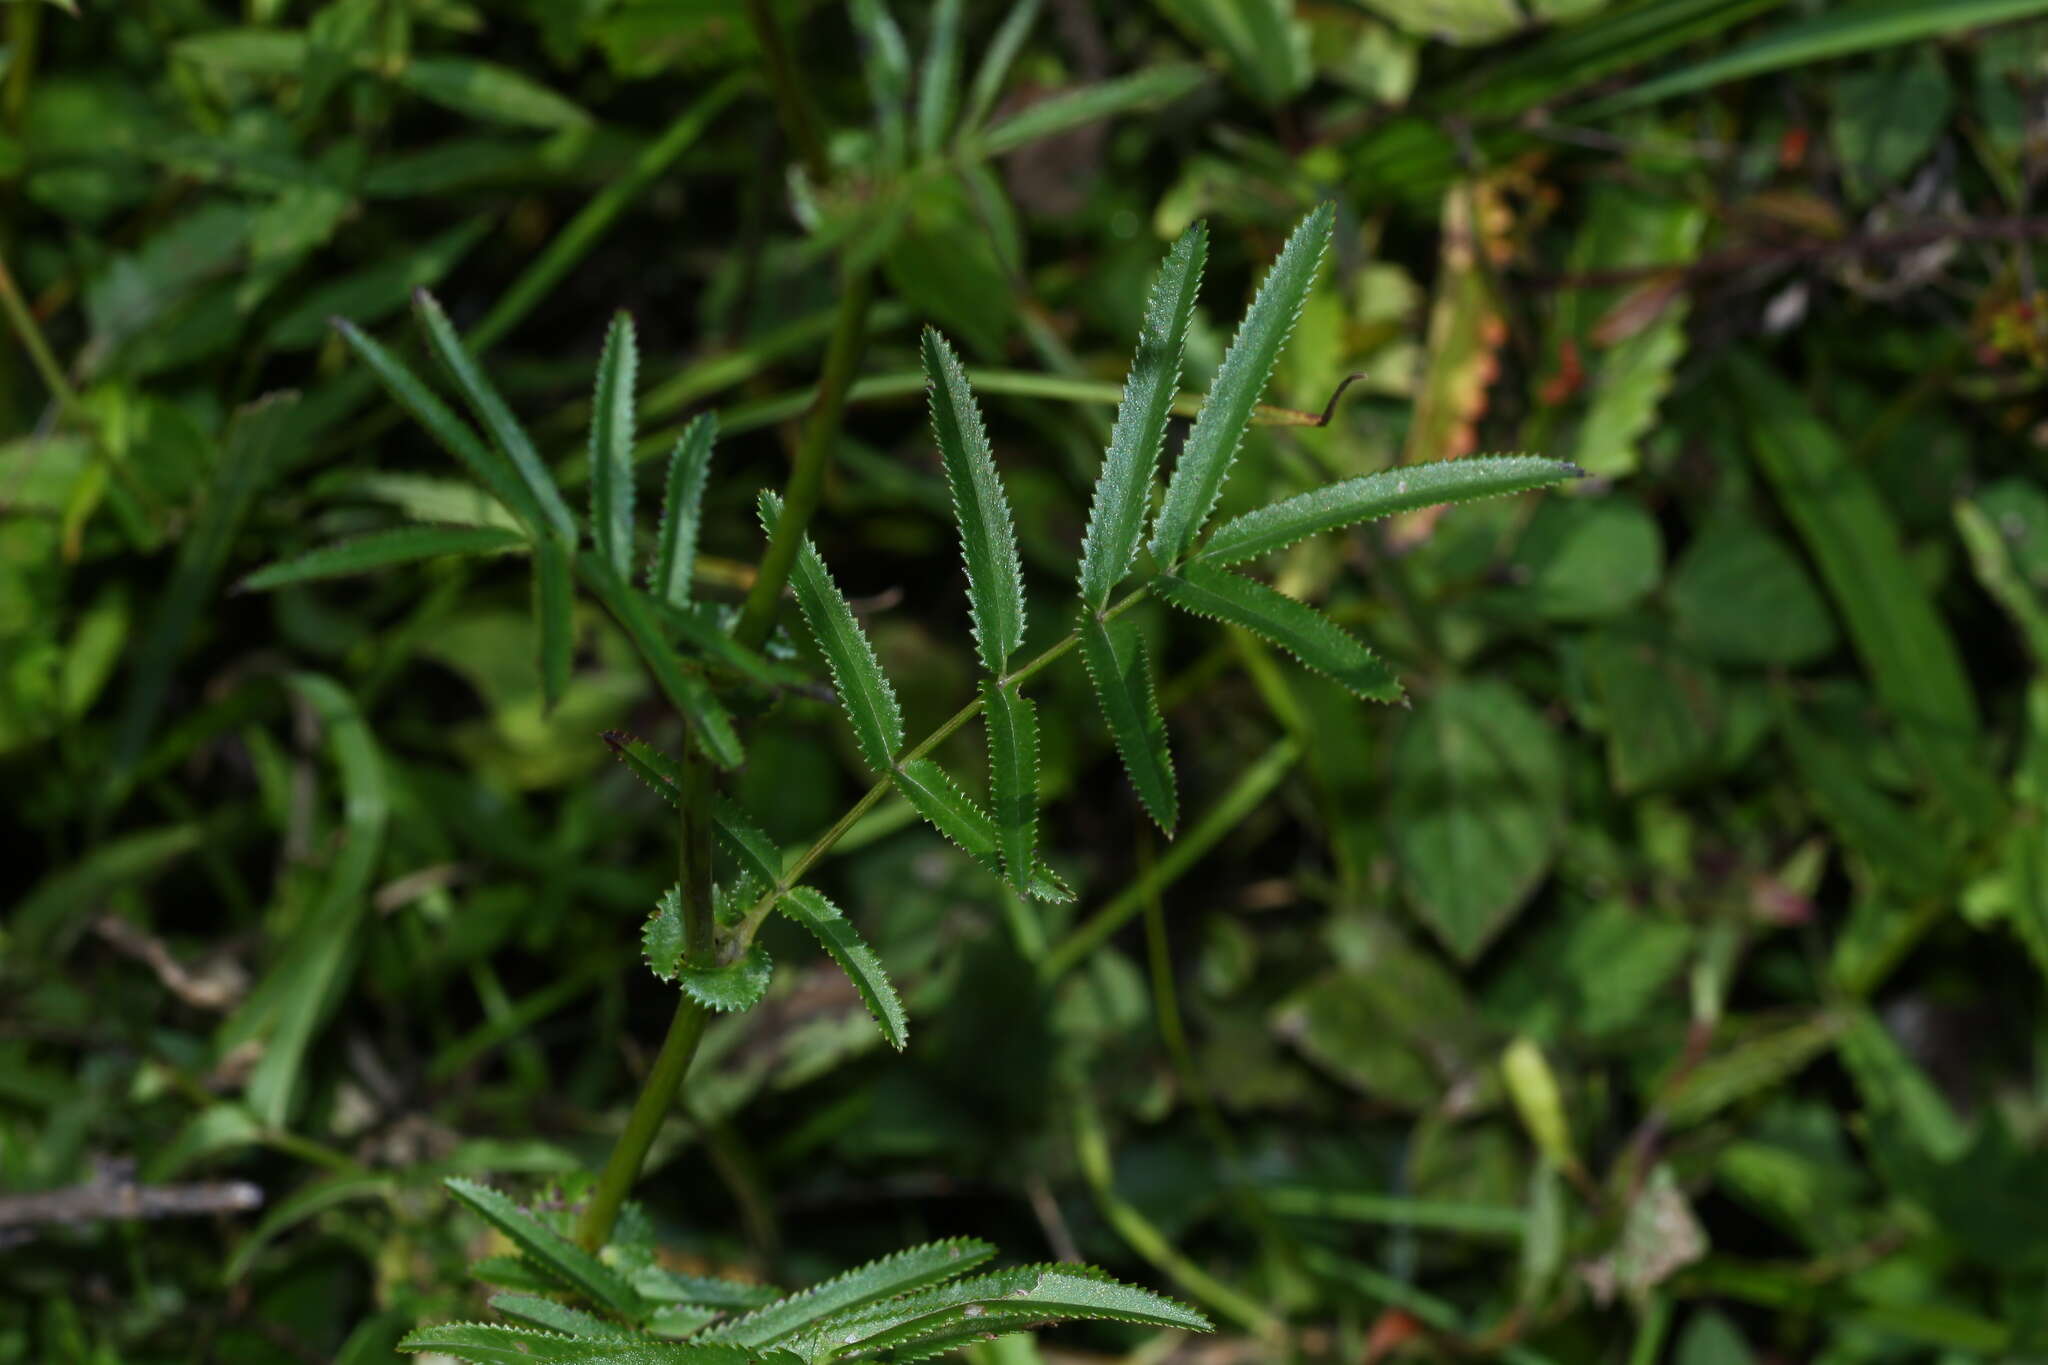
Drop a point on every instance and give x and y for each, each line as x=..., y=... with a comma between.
x=574, y=241
x=882, y=786
x=791, y=104
x=813, y=457
x=1145, y=1238
x=30, y=334
x=1173, y=1032
x=1251, y=787
x=685, y=1030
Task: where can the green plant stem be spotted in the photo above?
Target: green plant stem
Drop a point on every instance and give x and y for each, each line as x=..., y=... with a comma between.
x=685, y=1029
x=791, y=104
x=813, y=458
x=1148, y=1241
x=581, y=232
x=1173, y=1032
x=30, y=334
x=1251, y=787
x=822, y=845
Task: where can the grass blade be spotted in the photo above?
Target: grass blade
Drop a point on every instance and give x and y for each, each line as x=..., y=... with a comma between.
x=1912, y=658
x=1147, y=89
x=996, y=62
x=836, y=934
x=1379, y=495
x=254, y=444
x=1123, y=491
x=449, y=431
x=611, y=446
x=988, y=542
x=1296, y=627
x=1117, y=666
x=675, y=551
x=1205, y=460
x=938, y=86
x=554, y=616
x=1013, y=775
x=491, y=413
x=864, y=690
x=1839, y=31
x=381, y=550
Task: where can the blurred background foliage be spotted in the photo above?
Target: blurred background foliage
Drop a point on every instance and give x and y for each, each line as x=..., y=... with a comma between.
x=1664, y=983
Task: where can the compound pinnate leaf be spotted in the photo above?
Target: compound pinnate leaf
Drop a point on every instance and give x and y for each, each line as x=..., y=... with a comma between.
x=552, y=1252
x=1117, y=666
x=1205, y=460
x=381, y=550
x=490, y=411
x=1013, y=775
x=988, y=541
x=1383, y=494
x=1296, y=627
x=955, y=814
x=747, y=840
x=1006, y=1298
x=904, y=1272
x=1123, y=490
x=484, y=1343
x=675, y=550
x=710, y=723
x=729, y=987
x=864, y=690
x=836, y=934
x=553, y=1316
x=611, y=447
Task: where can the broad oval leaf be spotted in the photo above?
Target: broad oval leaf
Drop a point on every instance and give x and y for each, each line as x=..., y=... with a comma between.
x=661, y=937
x=988, y=541
x=488, y=91
x=1122, y=676
x=1475, y=810
x=1296, y=627
x=1123, y=491
x=381, y=550
x=1204, y=461
x=731, y=986
x=864, y=690
x=1383, y=494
